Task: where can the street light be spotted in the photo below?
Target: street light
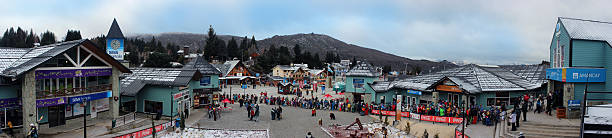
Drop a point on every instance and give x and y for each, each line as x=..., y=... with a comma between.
x=84, y=118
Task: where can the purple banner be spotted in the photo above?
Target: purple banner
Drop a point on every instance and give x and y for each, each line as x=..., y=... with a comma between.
x=50, y=102
x=10, y=102
x=69, y=73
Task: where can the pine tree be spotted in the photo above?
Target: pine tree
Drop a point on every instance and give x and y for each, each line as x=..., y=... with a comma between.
x=298, y=54
x=211, y=43
x=31, y=39
x=47, y=38
x=73, y=35
x=232, y=49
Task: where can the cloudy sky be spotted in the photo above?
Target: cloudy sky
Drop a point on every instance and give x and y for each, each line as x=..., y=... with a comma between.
x=482, y=32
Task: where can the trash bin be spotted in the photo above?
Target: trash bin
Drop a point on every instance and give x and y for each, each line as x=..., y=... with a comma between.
x=561, y=112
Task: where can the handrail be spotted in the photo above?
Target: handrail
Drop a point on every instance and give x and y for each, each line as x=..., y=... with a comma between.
x=72, y=91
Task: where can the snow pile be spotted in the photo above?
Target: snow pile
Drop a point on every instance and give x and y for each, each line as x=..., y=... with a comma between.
x=392, y=132
x=599, y=115
x=217, y=133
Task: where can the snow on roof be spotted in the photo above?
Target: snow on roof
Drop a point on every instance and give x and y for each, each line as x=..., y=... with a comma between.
x=362, y=69
x=203, y=66
x=15, y=61
x=588, y=29
x=473, y=79
x=132, y=83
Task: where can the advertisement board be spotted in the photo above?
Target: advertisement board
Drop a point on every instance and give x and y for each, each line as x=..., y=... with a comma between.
x=576, y=74
x=70, y=73
x=114, y=48
x=440, y=119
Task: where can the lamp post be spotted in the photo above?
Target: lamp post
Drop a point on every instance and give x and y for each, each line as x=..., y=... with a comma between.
x=84, y=119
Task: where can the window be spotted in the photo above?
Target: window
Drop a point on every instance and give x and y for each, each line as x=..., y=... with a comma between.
x=153, y=106
x=205, y=81
x=358, y=83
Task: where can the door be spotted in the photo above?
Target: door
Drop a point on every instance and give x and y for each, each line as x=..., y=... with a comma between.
x=53, y=117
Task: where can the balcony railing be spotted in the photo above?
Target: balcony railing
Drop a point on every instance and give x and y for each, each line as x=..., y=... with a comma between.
x=72, y=91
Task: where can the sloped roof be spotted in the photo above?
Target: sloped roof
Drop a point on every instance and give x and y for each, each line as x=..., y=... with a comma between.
x=362, y=69
x=203, y=66
x=226, y=67
x=380, y=86
x=588, y=29
x=16, y=61
x=533, y=73
x=114, y=31
x=140, y=77
x=315, y=71
x=472, y=78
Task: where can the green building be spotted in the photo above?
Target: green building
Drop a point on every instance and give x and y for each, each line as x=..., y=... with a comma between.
x=483, y=85
x=169, y=90
x=356, y=82
x=580, y=54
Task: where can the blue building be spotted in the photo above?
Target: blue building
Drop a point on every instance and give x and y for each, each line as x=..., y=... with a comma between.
x=580, y=54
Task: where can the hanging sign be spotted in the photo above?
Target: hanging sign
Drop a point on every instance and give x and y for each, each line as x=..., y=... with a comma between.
x=89, y=97
x=50, y=102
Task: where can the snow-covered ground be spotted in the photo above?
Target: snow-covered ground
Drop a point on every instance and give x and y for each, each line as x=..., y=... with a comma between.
x=220, y=133
x=598, y=115
x=392, y=132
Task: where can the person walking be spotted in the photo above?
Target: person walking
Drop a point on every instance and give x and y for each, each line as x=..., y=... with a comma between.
x=314, y=112
x=332, y=116
x=33, y=131
x=513, y=120
x=249, y=109
x=524, y=110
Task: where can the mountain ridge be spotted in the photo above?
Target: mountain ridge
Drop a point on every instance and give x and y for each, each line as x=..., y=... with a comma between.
x=314, y=43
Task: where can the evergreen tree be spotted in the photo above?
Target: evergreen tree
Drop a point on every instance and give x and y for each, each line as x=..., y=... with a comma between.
x=232, y=49
x=31, y=39
x=284, y=56
x=298, y=54
x=158, y=60
x=20, y=38
x=134, y=58
x=73, y=35
x=253, y=42
x=354, y=62
x=47, y=38
x=211, y=43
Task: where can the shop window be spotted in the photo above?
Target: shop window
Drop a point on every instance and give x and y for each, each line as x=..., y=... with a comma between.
x=103, y=80
x=92, y=81
x=153, y=107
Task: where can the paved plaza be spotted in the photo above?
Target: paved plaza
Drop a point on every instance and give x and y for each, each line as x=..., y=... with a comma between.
x=296, y=122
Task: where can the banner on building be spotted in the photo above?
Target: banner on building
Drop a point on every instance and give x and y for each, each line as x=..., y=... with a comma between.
x=50, y=102
x=441, y=119
x=10, y=102
x=70, y=73
x=576, y=74
x=90, y=97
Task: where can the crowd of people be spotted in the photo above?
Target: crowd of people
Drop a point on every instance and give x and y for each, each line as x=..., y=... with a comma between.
x=489, y=116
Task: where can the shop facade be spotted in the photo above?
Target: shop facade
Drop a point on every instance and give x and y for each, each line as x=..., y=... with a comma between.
x=579, y=57
x=476, y=85
x=356, y=83
x=42, y=83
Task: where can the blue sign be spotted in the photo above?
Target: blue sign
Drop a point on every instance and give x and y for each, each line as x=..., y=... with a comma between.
x=90, y=97
x=573, y=103
x=576, y=74
x=114, y=48
x=205, y=81
x=414, y=92
x=244, y=86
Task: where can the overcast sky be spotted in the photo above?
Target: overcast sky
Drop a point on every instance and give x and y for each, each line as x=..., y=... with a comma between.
x=482, y=32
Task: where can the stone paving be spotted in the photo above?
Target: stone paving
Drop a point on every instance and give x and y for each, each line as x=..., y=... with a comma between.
x=296, y=122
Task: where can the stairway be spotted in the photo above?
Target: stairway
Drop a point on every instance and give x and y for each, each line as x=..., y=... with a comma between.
x=541, y=130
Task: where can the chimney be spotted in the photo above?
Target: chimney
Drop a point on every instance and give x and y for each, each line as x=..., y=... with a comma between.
x=186, y=50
